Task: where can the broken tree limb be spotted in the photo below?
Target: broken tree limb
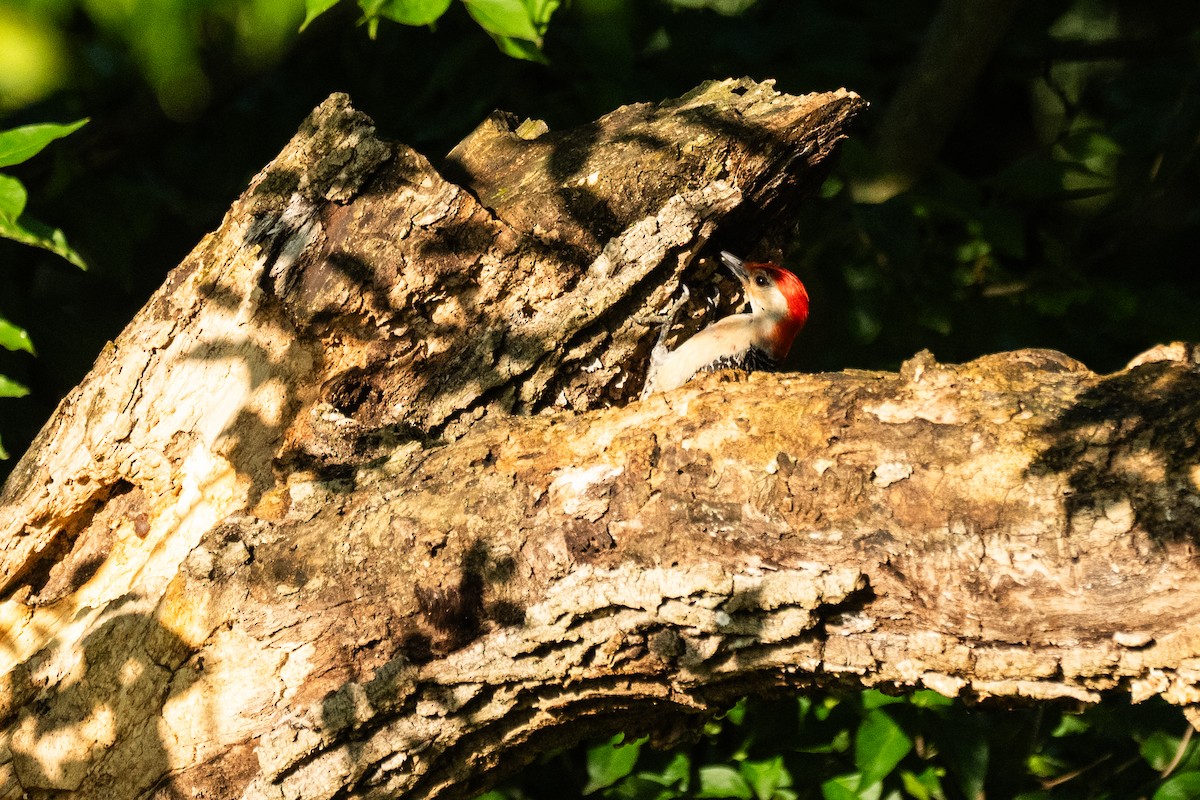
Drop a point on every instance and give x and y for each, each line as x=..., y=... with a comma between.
x=351, y=276
x=298, y=535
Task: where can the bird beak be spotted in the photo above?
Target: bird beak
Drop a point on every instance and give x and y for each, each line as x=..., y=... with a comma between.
x=736, y=265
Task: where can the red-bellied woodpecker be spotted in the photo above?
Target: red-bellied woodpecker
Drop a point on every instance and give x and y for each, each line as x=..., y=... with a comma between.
x=757, y=340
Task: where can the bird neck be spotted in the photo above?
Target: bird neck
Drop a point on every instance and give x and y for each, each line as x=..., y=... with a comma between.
x=775, y=333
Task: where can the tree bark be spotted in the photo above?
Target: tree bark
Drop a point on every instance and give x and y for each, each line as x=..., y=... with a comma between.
x=361, y=503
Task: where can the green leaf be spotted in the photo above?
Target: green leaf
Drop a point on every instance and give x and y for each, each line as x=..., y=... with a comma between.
x=841, y=788
x=676, y=773
x=737, y=712
x=519, y=48
x=314, y=9
x=1042, y=765
x=873, y=698
x=17, y=145
x=508, y=18
x=850, y=787
x=27, y=230
x=12, y=197
x=10, y=388
x=3, y=452
x=803, y=708
x=928, y=698
x=1184, y=786
x=609, y=762
x=1094, y=150
x=832, y=187
x=840, y=743
x=823, y=709
x=766, y=777
x=925, y=786
x=718, y=780
x=1070, y=725
x=21, y=144
x=635, y=787
x=411, y=12
x=878, y=746
x=14, y=338
x=1159, y=749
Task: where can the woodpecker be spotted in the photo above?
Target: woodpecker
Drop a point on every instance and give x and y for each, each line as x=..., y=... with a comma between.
x=753, y=341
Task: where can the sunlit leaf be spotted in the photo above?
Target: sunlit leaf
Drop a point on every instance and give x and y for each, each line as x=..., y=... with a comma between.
x=928, y=698
x=540, y=12
x=718, y=780
x=1070, y=725
x=20, y=144
x=12, y=197
x=736, y=713
x=1184, y=786
x=924, y=786
x=508, y=18
x=10, y=388
x=679, y=770
x=850, y=787
x=1045, y=766
x=873, y=698
x=609, y=762
x=878, y=746
x=766, y=777
x=412, y=12
x=825, y=707
x=841, y=789
x=314, y=9
x=519, y=48
x=14, y=338
x=676, y=773
x=36, y=234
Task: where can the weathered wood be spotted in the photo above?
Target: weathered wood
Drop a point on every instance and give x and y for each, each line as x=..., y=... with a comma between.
x=352, y=278
x=361, y=504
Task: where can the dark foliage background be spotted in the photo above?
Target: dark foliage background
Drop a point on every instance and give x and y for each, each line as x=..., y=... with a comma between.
x=1048, y=200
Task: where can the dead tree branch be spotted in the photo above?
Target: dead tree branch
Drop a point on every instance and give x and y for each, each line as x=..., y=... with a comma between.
x=360, y=504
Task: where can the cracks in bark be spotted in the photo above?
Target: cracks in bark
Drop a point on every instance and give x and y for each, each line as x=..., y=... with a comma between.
x=510, y=679
x=81, y=545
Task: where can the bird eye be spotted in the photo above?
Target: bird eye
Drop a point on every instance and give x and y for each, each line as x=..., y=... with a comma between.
x=761, y=280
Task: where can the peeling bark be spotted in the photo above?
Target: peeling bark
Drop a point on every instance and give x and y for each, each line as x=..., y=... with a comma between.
x=361, y=503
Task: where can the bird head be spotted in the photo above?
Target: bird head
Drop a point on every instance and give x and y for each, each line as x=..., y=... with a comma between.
x=772, y=291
